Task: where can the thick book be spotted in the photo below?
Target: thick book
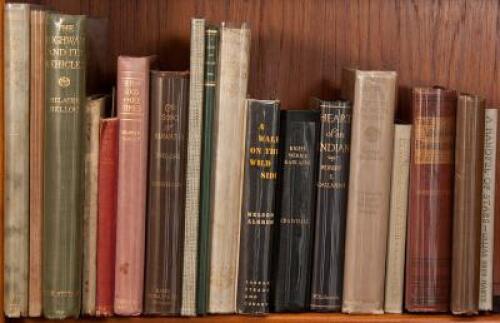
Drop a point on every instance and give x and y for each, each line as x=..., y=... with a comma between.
x=227, y=167
x=132, y=102
x=467, y=205
x=63, y=165
x=430, y=207
x=193, y=167
x=94, y=110
x=258, y=206
x=488, y=210
x=212, y=35
x=17, y=162
x=331, y=205
x=373, y=94
x=296, y=204
x=37, y=101
x=398, y=211
x=166, y=192
x=107, y=189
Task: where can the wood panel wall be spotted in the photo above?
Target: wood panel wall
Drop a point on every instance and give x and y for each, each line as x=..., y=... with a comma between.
x=300, y=46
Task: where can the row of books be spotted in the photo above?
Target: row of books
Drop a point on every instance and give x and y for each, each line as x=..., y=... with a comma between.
x=194, y=199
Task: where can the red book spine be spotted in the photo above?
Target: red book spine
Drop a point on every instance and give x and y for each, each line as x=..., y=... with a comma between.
x=106, y=227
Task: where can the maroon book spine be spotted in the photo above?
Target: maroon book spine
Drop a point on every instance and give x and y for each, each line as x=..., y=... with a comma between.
x=106, y=227
x=428, y=254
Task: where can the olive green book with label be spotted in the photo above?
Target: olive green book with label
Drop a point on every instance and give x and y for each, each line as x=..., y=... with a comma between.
x=63, y=160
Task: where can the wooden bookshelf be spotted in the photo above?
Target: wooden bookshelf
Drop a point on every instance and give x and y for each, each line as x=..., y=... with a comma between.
x=298, y=50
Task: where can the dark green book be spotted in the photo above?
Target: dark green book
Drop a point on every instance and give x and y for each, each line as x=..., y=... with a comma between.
x=212, y=36
x=63, y=202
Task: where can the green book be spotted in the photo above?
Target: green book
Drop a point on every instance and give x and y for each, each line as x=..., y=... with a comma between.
x=63, y=160
x=212, y=36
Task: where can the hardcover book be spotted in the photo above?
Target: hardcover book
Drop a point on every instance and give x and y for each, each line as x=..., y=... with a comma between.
x=331, y=205
x=212, y=35
x=63, y=167
x=396, y=240
x=467, y=205
x=17, y=160
x=166, y=192
x=257, y=214
x=296, y=203
x=496, y=236
x=133, y=113
x=430, y=209
x=227, y=167
x=373, y=94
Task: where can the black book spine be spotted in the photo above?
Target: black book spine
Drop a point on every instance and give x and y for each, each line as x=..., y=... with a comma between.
x=331, y=207
x=299, y=133
x=257, y=216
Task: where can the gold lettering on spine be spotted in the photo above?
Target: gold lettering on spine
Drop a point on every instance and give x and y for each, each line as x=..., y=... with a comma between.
x=262, y=154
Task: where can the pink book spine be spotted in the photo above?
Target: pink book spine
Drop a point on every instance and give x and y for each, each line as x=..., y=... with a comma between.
x=133, y=111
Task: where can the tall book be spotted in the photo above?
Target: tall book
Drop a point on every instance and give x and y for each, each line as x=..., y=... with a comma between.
x=63, y=167
x=496, y=233
x=396, y=239
x=257, y=213
x=212, y=35
x=430, y=209
x=133, y=113
x=94, y=110
x=467, y=205
x=106, y=225
x=166, y=192
x=296, y=203
x=331, y=205
x=193, y=171
x=373, y=94
x=17, y=158
x=228, y=156
x=37, y=99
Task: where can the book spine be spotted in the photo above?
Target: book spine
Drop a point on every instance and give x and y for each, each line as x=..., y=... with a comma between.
x=63, y=167
x=373, y=95
x=488, y=210
x=496, y=232
x=396, y=241
x=228, y=158
x=94, y=110
x=467, y=205
x=212, y=36
x=106, y=226
x=193, y=172
x=16, y=184
x=257, y=214
x=37, y=98
x=331, y=206
x=428, y=248
x=166, y=192
x=133, y=112
x=299, y=135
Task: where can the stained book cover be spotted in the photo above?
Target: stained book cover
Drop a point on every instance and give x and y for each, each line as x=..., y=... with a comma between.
x=467, y=205
x=331, y=205
x=133, y=112
x=430, y=209
x=373, y=95
x=16, y=233
x=63, y=166
x=296, y=204
x=166, y=192
x=258, y=207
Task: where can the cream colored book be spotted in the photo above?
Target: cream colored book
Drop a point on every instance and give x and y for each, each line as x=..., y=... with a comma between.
x=227, y=171
x=395, y=264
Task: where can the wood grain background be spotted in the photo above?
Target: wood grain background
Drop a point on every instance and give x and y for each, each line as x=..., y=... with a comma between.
x=300, y=46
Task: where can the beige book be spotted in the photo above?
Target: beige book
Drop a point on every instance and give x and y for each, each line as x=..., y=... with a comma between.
x=227, y=176
x=373, y=94
x=395, y=263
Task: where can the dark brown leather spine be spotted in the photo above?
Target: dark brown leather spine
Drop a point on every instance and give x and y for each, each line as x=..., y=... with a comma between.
x=467, y=205
x=428, y=254
x=166, y=192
